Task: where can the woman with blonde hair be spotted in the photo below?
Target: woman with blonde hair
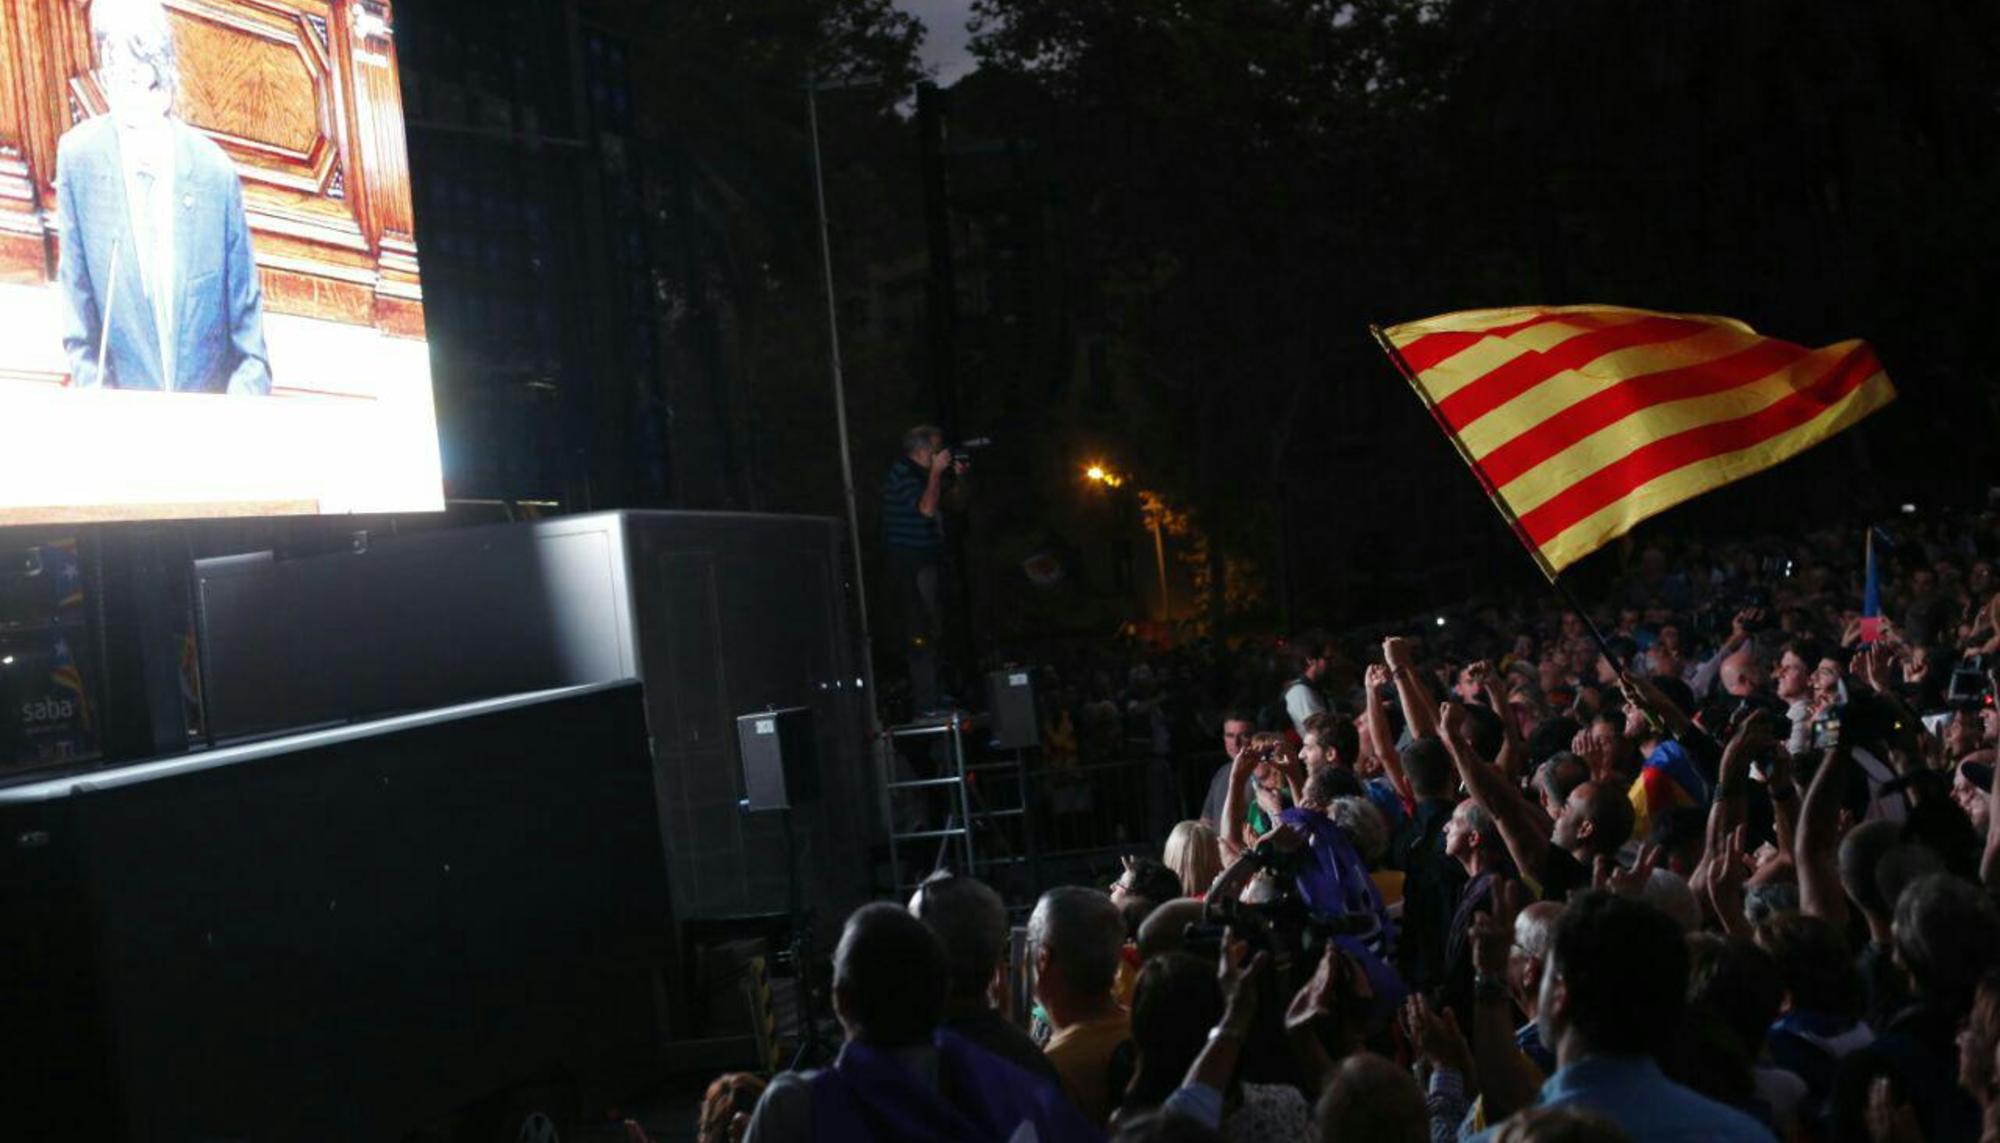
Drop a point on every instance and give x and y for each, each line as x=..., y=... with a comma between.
x=1194, y=853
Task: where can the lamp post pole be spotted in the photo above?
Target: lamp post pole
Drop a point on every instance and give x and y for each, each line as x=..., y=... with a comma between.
x=1099, y=475
x=1160, y=562
x=840, y=399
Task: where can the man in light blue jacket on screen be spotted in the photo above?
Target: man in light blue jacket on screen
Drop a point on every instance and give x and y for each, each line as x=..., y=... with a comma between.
x=159, y=286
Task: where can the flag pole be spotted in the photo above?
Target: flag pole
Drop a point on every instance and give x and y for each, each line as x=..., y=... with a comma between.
x=1871, y=591
x=1493, y=494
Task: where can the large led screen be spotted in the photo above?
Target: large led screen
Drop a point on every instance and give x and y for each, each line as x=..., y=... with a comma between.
x=209, y=292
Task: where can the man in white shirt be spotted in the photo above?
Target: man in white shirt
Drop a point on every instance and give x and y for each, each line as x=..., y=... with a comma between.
x=1312, y=654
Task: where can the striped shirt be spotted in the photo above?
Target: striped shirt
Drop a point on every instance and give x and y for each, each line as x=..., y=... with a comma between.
x=903, y=527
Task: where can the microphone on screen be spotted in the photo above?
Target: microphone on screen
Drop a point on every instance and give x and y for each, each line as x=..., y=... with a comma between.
x=104, y=319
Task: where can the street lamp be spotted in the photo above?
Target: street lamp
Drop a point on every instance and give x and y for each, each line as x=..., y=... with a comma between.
x=1098, y=474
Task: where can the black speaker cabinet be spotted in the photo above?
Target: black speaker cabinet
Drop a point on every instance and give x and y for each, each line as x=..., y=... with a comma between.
x=1010, y=696
x=780, y=758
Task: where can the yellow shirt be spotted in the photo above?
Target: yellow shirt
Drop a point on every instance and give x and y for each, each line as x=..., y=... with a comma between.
x=1127, y=978
x=1389, y=883
x=1081, y=1054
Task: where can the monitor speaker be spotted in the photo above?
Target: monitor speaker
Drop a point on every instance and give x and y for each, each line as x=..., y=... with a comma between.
x=780, y=758
x=1010, y=697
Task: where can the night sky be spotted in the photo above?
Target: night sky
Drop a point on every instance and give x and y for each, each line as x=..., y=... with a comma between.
x=944, y=44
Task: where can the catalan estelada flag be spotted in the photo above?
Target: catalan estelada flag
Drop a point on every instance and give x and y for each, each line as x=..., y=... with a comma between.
x=1871, y=590
x=1581, y=421
x=65, y=675
x=1668, y=781
x=60, y=560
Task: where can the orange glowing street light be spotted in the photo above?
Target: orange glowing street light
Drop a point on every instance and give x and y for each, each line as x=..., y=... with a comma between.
x=1098, y=474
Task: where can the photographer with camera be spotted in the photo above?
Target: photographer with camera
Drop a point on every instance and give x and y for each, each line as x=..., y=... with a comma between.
x=925, y=481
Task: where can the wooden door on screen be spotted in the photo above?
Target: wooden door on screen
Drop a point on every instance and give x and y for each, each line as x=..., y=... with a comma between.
x=301, y=95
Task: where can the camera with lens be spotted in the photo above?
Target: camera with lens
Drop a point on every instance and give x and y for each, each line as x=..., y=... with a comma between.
x=1865, y=720
x=1758, y=601
x=1968, y=681
x=1282, y=924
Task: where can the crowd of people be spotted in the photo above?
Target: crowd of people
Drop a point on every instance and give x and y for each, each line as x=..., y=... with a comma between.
x=1725, y=874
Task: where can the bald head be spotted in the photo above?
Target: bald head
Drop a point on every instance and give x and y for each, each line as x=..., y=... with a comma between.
x=1597, y=820
x=1166, y=929
x=1076, y=935
x=1743, y=673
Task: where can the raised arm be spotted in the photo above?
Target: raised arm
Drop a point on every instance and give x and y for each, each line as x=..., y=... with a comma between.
x=1739, y=633
x=1235, y=811
x=1732, y=787
x=1419, y=708
x=1308, y=1013
x=1513, y=760
x=1725, y=882
x=934, y=486
x=1200, y=1094
x=1991, y=613
x=1507, y=1078
x=1784, y=794
x=1241, y=976
x=958, y=493
x=1380, y=733
x=1818, y=849
x=1285, y=757
x=1524, y=831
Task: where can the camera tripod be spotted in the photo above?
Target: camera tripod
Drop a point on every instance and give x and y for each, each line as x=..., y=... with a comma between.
x=812, y=1042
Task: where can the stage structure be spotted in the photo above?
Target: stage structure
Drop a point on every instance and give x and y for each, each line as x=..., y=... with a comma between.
x=275, y=238
x=355, y=933
x=718, y=614
x=301, y=95
x=460, y=788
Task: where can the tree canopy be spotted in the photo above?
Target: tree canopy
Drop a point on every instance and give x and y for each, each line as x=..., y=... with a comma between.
x=1257, y=180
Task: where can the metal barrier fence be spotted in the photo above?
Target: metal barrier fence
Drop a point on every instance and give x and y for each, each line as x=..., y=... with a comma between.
x=1104, y=806
x=1025, y=821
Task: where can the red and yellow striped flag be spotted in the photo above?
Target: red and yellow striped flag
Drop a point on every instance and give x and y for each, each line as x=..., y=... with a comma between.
x=1582, y=421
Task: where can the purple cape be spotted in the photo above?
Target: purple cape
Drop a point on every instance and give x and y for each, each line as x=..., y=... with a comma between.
x=870, y=1095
